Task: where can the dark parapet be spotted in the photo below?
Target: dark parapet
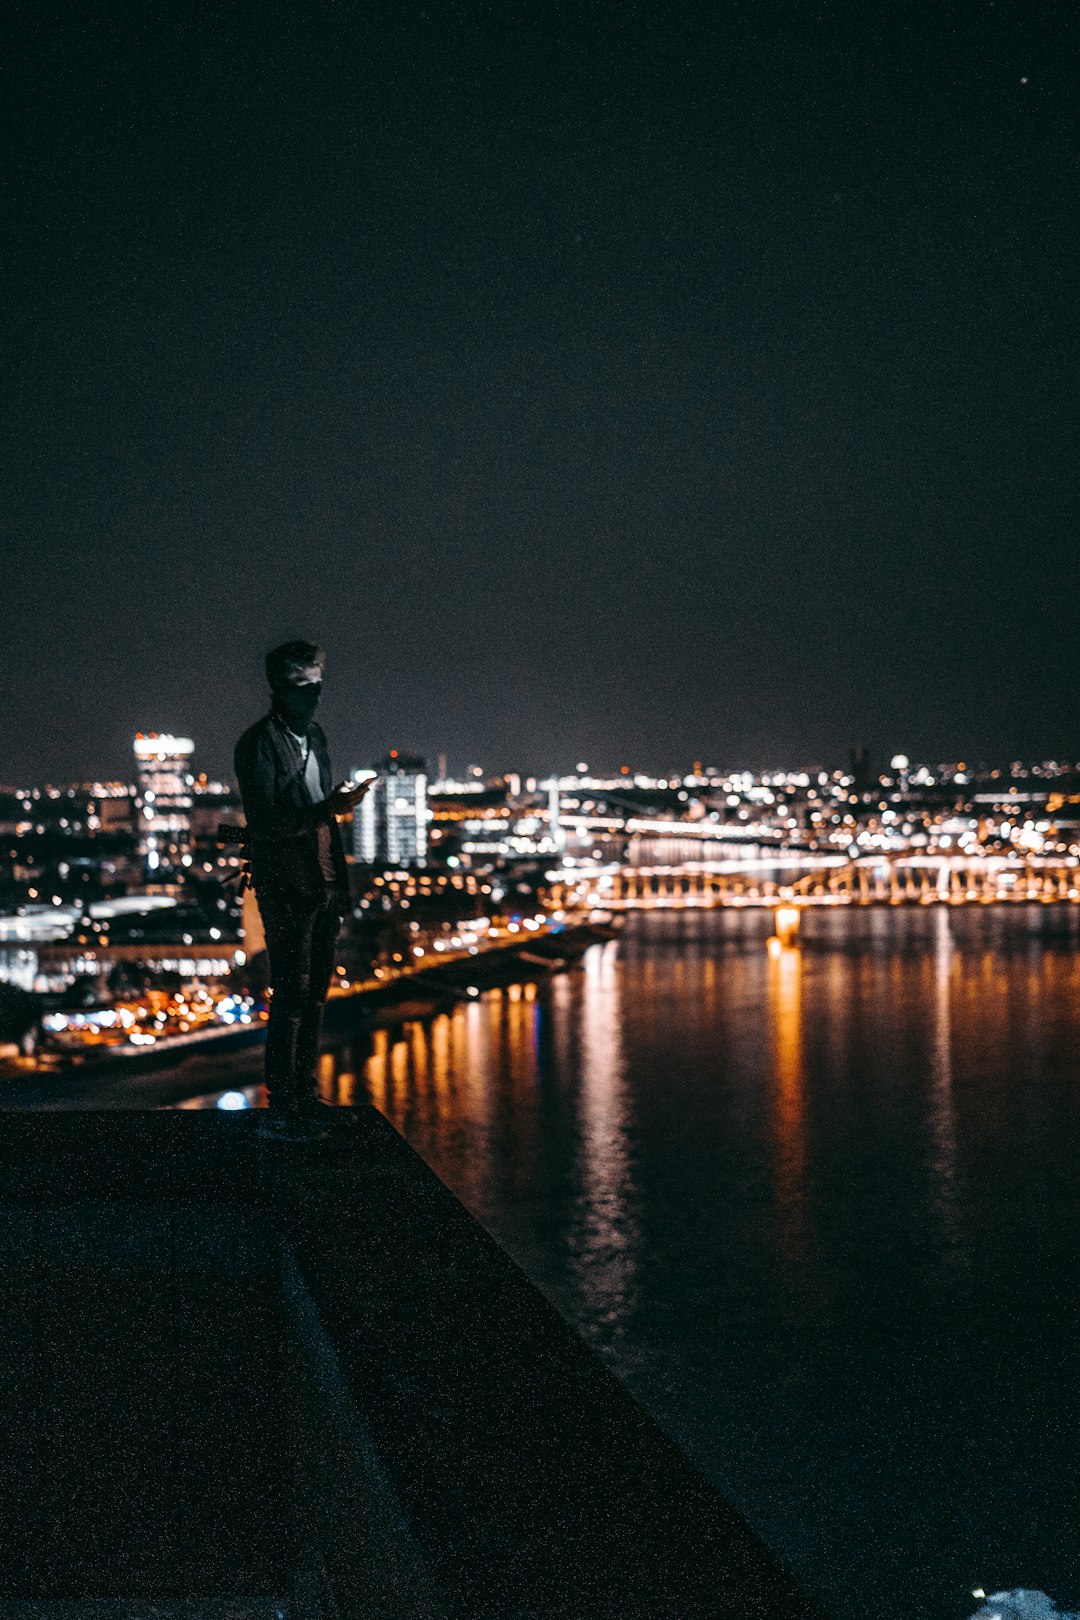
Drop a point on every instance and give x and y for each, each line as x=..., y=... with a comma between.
x=305, y=1374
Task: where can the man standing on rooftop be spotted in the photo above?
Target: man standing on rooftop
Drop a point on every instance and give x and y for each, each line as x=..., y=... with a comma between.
x=300, y=877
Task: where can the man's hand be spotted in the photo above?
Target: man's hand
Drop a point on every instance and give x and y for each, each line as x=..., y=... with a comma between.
x=347, y=795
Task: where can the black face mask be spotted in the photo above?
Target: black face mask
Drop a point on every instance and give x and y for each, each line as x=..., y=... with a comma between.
x=296, y=705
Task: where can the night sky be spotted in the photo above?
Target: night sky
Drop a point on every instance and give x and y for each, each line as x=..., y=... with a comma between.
x=600, y=382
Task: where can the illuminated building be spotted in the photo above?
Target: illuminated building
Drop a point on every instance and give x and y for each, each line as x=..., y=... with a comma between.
x=390, y=822
x=163, y=798
x=558, y=834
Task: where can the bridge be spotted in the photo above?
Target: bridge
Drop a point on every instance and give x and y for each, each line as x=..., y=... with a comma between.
x=915, y=879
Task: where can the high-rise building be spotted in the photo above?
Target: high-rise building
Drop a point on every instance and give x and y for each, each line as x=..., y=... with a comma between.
x=557, y=830
x=163, y=800
x=390, y=822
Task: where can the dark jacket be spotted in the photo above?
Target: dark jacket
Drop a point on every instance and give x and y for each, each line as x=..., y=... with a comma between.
x=282, y=821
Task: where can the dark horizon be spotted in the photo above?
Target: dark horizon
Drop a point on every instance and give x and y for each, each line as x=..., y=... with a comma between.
x=630, y=387
x=878, y=765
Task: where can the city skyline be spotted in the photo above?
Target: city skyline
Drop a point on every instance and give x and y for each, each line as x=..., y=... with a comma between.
x=468, y=770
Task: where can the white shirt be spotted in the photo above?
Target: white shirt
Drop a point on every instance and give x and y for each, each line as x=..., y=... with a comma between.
x=311, y=768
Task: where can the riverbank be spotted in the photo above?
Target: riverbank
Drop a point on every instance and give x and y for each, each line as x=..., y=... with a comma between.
x=412, y=993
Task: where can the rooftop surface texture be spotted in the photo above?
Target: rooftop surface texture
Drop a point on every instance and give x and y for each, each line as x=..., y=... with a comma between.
x=242, y=1372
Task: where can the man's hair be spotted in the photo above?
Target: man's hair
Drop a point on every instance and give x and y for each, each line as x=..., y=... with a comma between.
x=294, y=663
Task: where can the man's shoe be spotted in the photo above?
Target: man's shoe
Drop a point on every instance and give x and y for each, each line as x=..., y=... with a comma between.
x=288, y=1125
x=316, y=1112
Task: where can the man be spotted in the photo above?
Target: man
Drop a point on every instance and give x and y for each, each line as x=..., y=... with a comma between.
x=300, y=878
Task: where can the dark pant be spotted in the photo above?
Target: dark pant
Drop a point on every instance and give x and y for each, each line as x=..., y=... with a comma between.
x=300, y=939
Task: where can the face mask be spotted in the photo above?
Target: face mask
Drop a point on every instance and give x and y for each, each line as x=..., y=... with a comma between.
x=296, y=705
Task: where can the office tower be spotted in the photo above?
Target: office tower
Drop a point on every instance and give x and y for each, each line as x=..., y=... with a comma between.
x=163, y=799
x=557, y=830
x=390, y=823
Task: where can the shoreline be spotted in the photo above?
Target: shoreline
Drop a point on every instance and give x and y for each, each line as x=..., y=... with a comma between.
x=416, y=993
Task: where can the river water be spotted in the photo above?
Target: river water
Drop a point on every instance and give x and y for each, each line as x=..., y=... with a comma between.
x=817, y=1207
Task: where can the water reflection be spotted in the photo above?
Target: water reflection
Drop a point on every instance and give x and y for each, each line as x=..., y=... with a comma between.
x=607, y=1238
x=784, y=1014
x=375, y=1069
x=942, y=1110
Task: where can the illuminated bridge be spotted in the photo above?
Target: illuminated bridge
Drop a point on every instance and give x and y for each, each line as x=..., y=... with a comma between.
x=821, y=880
